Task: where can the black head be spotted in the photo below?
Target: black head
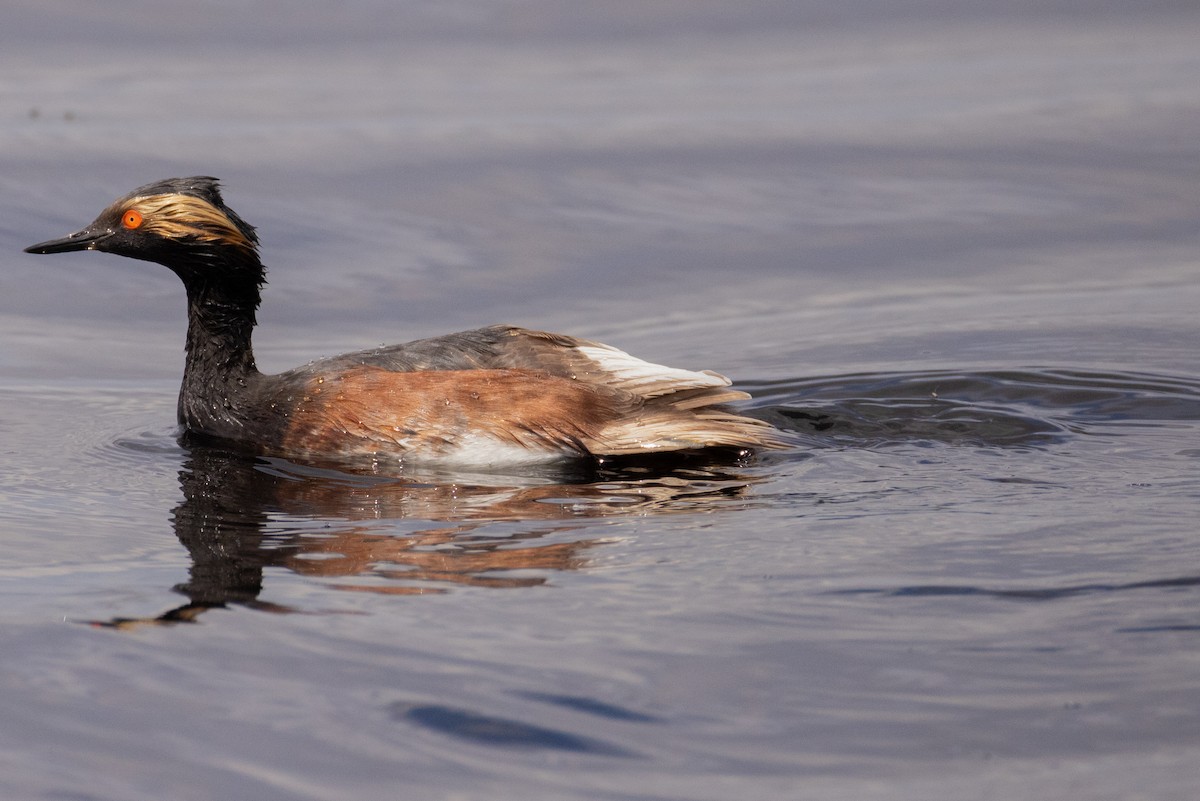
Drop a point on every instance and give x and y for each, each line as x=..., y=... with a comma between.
x=180, y=222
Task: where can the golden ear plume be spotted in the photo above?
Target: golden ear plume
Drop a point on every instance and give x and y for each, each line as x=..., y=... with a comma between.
x=178, y=216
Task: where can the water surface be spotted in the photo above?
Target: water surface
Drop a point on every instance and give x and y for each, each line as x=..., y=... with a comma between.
x=950, y=249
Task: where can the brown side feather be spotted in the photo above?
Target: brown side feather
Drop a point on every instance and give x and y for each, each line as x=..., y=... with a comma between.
x=430, y=413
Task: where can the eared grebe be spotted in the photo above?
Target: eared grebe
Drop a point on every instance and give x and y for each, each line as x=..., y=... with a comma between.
x=492, y=397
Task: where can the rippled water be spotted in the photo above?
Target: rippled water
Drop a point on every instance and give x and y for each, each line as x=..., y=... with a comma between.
x=950, y=250
x=951, y=569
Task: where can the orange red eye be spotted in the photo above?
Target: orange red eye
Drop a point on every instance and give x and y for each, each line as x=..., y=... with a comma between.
x=132, y=219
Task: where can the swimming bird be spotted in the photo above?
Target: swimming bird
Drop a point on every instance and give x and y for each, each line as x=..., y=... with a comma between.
x=499, y=396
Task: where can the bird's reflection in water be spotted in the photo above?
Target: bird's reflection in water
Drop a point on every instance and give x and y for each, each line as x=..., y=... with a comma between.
x=413, y=535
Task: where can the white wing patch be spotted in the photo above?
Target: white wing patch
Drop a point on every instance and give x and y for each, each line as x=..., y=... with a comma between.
x=645, y=378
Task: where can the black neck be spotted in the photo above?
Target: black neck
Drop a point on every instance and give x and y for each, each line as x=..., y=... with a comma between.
x=220, y=361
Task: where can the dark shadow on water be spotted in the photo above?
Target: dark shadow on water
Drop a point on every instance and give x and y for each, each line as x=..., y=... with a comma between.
x=1023, y=594
x=480, y=729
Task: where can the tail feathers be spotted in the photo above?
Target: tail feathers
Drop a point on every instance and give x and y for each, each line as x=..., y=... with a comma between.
x=663, y=408
x=667, y=427
x=699, y=398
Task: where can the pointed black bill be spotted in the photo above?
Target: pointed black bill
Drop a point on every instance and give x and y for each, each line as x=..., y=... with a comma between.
x=80, y=240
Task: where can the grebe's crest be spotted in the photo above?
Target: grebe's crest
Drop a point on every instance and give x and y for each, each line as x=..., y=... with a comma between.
x=185, y=209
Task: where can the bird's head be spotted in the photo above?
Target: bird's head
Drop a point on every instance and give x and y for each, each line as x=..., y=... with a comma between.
x=181, y=222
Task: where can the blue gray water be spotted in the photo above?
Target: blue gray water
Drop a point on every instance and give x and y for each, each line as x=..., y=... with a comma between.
x=951, y=248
